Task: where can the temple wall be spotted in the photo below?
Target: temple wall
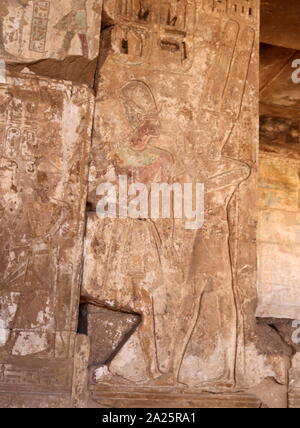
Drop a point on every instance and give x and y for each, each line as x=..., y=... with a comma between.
x=115, y=303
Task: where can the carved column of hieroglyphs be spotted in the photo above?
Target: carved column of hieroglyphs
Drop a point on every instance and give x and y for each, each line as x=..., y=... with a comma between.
x=45, y=129
x=177, y=102
x=36, y=29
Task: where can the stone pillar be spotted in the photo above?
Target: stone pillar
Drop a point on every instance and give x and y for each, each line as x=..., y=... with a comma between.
x=45, y=129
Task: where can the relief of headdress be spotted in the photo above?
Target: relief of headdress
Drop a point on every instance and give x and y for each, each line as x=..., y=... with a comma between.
x=138, y=102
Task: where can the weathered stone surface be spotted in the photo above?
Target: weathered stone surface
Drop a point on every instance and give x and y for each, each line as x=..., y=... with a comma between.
x=31, y=30
x=280, y=23
x=279, y=237
x=176, y=102
x=45, y=129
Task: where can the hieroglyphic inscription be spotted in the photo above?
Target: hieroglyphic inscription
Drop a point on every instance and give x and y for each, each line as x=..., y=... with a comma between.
x=40, y=19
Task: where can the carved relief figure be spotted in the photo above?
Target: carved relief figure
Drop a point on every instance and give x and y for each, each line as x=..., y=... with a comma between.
x=75, y=23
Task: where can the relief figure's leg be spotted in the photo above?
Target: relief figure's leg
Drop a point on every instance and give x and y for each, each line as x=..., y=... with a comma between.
x=146, y=330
